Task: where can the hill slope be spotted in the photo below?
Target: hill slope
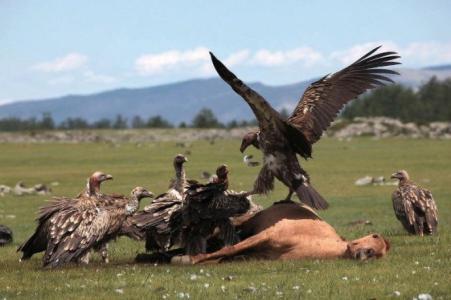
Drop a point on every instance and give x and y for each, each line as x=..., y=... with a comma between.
x=180, y=101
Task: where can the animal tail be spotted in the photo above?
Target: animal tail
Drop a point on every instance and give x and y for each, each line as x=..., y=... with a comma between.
x=309, y=196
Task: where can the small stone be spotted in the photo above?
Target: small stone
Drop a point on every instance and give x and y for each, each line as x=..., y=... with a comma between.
x=344, y=278
x=397, y=293
x=296, y=287
x=193, y=277
x=119, y=291
x=424, y=297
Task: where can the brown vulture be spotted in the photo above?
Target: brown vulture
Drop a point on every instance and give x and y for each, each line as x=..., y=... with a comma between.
x=159, y=222
x=281, y=139
x=38, y=241
x=414, y=206
x=209, y=207
x=76, y=230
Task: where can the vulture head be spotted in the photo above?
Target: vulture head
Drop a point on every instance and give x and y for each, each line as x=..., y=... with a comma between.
x=95, y=180
x=400, y=175
x=222, y=172
x=139, y=192
x=250, y=138
x=180, y=159
x=373, y=245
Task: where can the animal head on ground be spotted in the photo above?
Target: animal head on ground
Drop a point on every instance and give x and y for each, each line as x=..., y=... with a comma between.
x=373, y=245
x=250, y=138
x=180, y=159
x=400, y=175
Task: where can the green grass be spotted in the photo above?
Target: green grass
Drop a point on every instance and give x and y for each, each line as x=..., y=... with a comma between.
x=414, y=265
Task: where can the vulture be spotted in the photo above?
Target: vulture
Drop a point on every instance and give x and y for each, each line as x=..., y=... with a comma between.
x=159, y=222
x=38, y=241
x=414, y=206
x=6, y=235
x=76, y=230
x=208, y=208
x=281, y=139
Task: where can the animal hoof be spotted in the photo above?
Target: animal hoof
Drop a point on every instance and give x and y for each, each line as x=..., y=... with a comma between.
x=182, y=260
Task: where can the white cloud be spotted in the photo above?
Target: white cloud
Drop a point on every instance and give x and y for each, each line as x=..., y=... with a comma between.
x=69, y=62
x=155, y=63
x=237, y=58
x=269, y=58
x=91, y=76
x=418, y=53
x=6, y=101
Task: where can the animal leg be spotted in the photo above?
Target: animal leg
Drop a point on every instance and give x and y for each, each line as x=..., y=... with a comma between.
x=287, y=199
x=85, y=258
x=265, y=181
x=228, y=251
x=104, y=253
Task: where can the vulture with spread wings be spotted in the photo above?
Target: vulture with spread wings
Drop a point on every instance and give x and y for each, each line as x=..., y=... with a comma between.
x=414, y=206
x=280, y=139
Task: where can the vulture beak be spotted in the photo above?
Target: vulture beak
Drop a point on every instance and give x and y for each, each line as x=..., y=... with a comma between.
x=109, y=177
x=243, y=146
x=148, y=194
x=186, y=159
x=394, y=175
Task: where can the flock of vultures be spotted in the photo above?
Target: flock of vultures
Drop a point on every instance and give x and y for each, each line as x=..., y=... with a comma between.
x=196, y=222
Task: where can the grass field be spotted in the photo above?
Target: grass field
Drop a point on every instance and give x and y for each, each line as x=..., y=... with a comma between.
x=414, y=265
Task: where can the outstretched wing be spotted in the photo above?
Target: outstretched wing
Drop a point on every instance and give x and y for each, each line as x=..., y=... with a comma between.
x=324, y=98
x=265, y=114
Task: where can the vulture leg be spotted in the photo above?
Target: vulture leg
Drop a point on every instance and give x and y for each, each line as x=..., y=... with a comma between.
x=419, y=226
x=85, y=258
x=104, y=253
x=265, y=181
x=290, y=193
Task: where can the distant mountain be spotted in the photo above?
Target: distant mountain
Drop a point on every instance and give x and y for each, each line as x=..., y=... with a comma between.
x=180, y=101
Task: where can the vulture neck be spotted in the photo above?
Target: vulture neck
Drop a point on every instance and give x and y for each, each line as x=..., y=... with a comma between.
x=180, y=178
x=224, y=181
x=404, y=181
x=132, y=206
x=93, y=187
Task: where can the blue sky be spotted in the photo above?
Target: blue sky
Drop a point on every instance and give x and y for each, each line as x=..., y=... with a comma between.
x=52, y=48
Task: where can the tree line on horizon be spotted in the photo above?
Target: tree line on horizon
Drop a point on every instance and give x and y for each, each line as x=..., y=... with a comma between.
x=430, y=103
x=205, y=118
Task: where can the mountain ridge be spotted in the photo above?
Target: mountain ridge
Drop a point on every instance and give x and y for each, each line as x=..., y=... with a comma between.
x=180, y=101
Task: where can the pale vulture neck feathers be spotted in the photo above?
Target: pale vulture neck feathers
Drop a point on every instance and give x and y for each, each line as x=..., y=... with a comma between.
x=180, y=177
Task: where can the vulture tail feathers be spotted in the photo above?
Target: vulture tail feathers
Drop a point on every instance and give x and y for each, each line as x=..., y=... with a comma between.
x=36, y=243
x=309, y=196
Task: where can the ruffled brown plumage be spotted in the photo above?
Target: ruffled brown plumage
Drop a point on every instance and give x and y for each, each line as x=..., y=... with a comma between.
x=414, y=206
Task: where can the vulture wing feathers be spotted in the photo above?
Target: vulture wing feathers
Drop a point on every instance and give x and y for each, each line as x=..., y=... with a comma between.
x=265, y=114
x=75, y=232
x=324, y=98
